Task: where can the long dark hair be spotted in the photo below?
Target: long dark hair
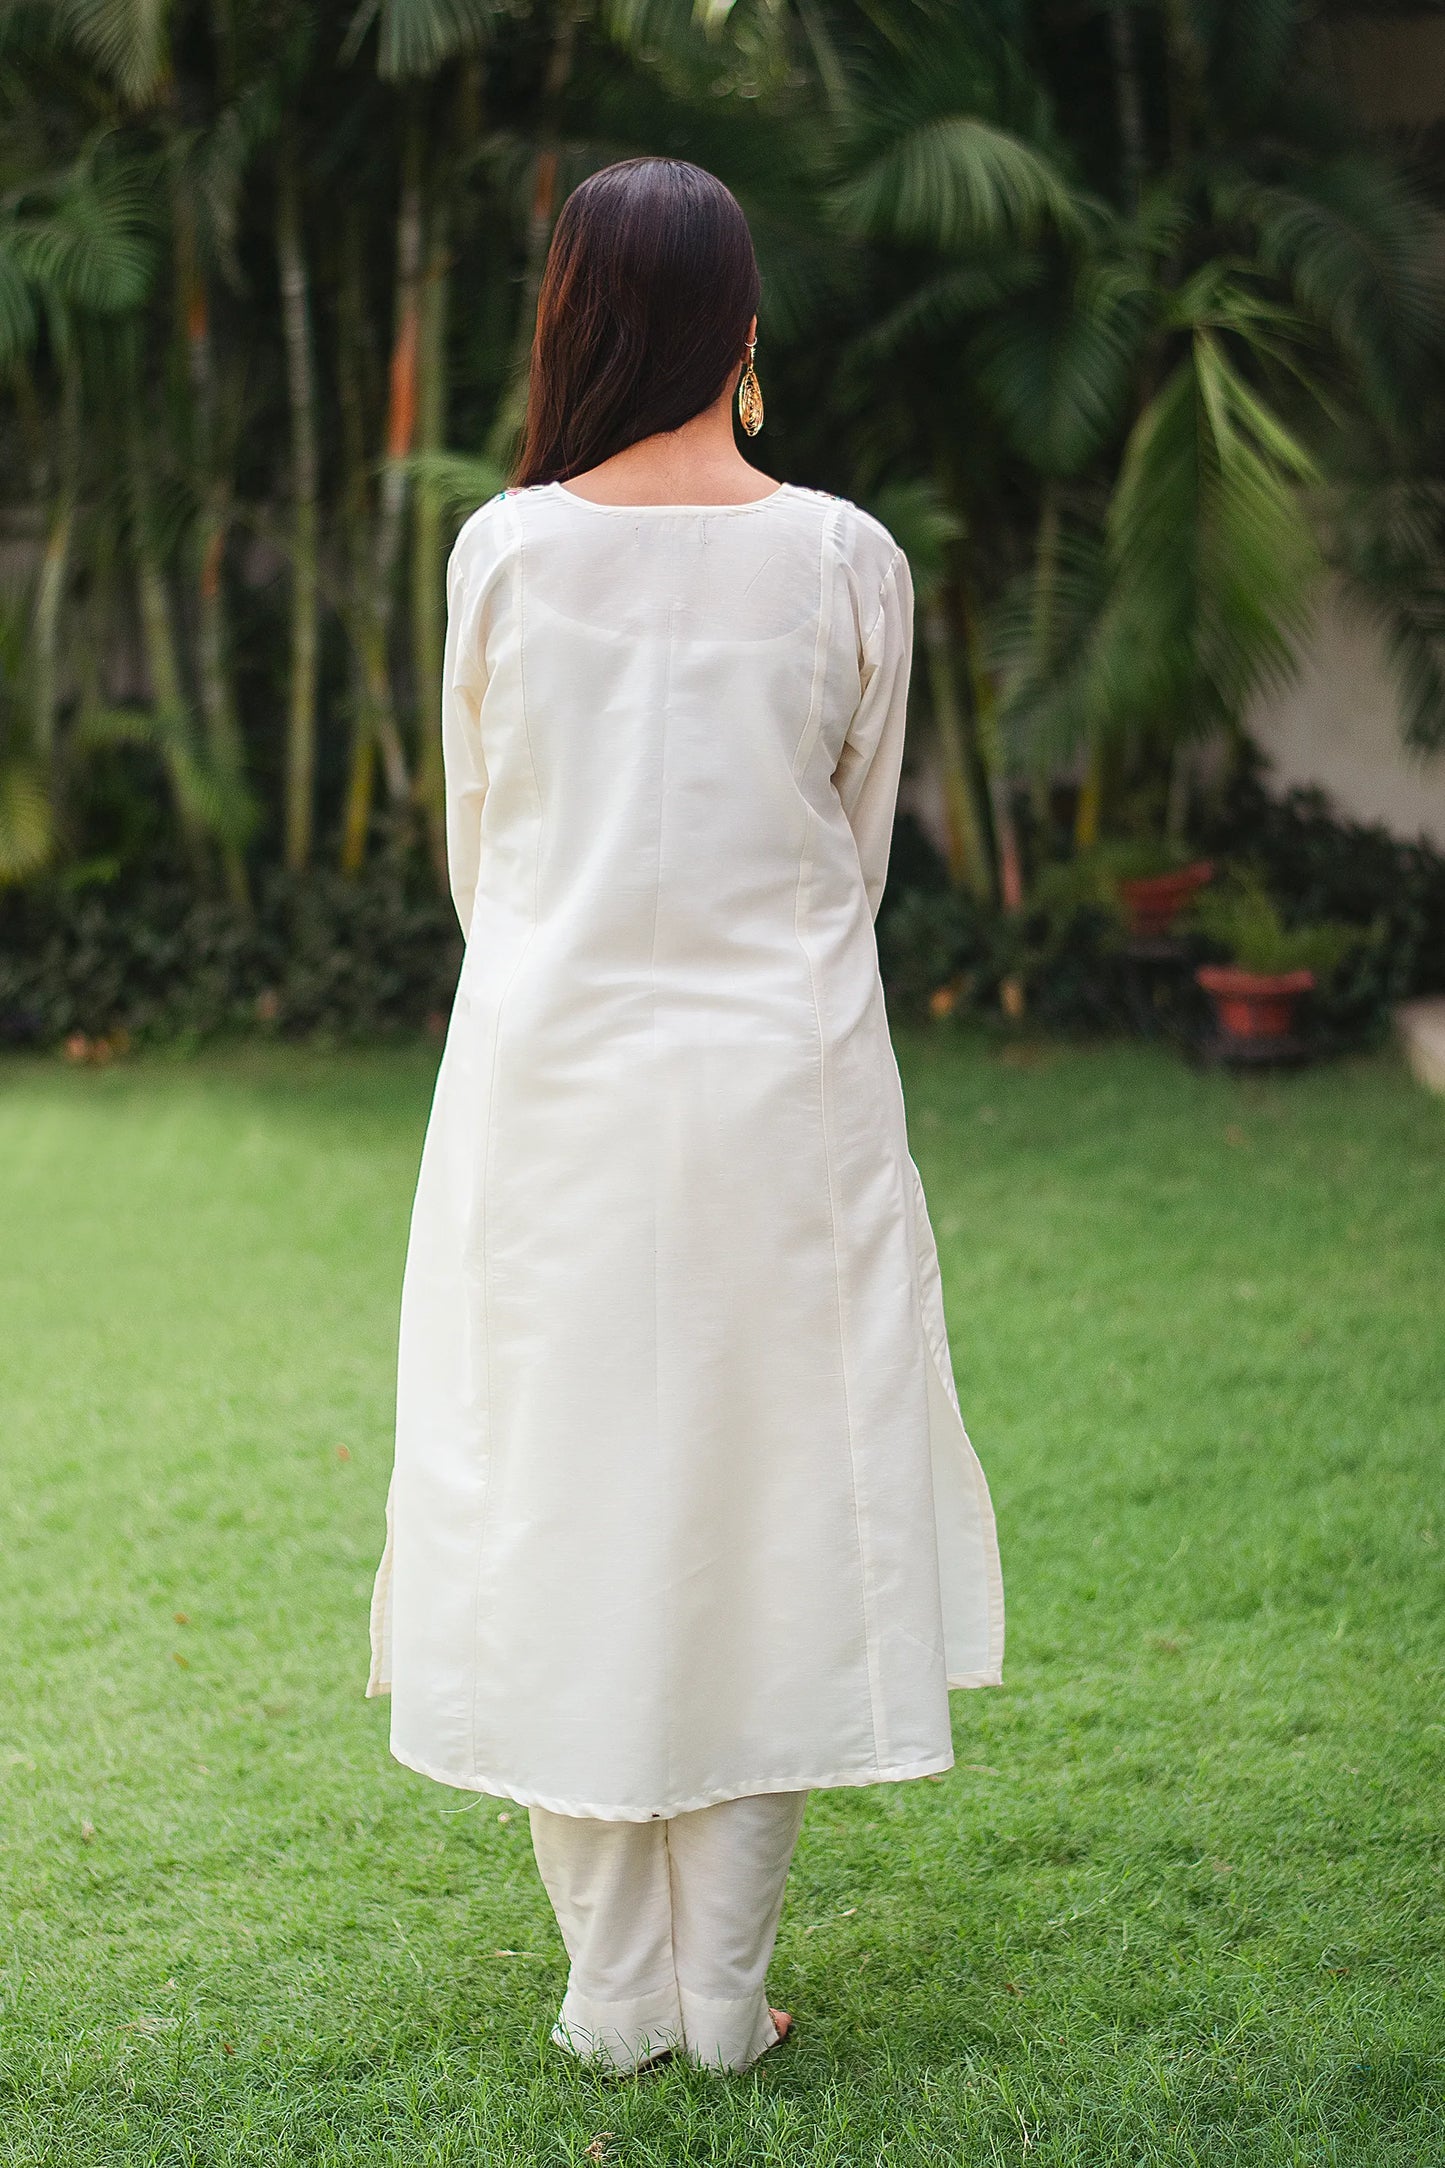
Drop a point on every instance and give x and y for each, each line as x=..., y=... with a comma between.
x=650, y=285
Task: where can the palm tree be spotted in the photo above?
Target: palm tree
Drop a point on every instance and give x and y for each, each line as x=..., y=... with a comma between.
x=1168, y=378
x=72, y=251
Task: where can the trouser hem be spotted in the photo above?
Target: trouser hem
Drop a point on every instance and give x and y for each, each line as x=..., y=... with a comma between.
x=727, y=2035
x=622, y=2035
x=626, y=2035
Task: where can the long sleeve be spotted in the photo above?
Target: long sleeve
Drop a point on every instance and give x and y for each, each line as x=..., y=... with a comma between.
x=866, y=777
x=463, y=684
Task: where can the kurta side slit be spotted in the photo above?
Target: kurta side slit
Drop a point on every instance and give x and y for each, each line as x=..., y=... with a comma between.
x=683, y=1509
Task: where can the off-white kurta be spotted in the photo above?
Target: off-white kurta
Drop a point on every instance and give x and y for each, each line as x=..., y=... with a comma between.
x=683, y=1508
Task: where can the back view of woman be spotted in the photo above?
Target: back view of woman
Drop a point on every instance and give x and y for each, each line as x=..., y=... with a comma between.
x=684, y=1521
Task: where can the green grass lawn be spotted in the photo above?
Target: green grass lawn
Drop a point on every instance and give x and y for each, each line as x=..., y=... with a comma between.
x=1181, y=1900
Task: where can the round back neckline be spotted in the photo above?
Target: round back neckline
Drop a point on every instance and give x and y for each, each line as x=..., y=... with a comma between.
x=747, y=504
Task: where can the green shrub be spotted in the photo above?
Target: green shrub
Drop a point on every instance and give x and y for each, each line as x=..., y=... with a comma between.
x=1321, y=869
x=150, y=958
x=1362, y=909
x=1239, y=914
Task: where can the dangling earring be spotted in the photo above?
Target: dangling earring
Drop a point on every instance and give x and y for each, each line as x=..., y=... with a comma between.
x=750, y=396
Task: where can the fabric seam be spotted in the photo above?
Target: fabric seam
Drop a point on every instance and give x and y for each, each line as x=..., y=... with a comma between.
x=890, y=573
x=652, y=996
x=486, y=1274
x=805, y=867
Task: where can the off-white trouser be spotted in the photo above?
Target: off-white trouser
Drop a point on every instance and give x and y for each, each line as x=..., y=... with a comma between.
x=669, y=1925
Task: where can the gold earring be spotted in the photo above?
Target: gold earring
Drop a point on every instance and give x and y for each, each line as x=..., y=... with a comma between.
x=750, y=396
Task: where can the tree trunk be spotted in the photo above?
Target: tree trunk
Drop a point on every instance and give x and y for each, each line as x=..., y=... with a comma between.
x=1128, y=101
x=401, y=416
x=1045, y=638
x=213, y=678
x=158, y=638
x=54, y=577
x=213, y=674
x=1000, y=787
x=401, y=413
x=1089, y=812
x=1046, y=573
x=1181, y=777
x=360, y=792
x=967, y=851
x=1184, y=77
x=376, y=726
x=352, y=383
x=428, y=543
x=541, y=218
x=1005, y=828
x=300, y=789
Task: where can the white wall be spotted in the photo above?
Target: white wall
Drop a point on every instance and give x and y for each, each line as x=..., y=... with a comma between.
x=1337, y=727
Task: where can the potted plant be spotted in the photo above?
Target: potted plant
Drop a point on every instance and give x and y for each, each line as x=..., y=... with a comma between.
x=1154, y=882
x=1256, y=993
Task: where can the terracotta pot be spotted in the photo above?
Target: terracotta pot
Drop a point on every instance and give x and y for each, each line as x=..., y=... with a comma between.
x=1153, y=902
x=1253, y=1004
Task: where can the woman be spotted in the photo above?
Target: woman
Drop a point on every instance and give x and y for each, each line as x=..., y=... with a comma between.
x=684, y=1521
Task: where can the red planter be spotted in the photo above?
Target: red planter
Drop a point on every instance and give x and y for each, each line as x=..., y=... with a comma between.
x=1153, y=902
x=1253, y=1004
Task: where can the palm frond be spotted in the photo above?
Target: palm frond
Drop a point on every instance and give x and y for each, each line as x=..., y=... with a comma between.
x=805, y=271
x=458, y=481
x=957, y=182
x=1360, y=252
x=415, y=37
x=17, y=304
x=216, y=801
x=217, y=160
x=125, y=38
x=1250, y=43
x=90, y=247
x=1056, y=364
x=652, y=26
x=1215, y=562
x=921, y=523
x=1050, y=699
x=27, y=823
x=1388, y=544
x=949, y=301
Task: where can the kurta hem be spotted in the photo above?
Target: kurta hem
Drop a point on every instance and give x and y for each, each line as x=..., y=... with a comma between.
x=745, y=1788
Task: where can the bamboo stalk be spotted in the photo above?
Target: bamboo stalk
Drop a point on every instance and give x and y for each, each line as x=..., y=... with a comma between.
x=352, y=356
x=212, y=650
x=158, y=635
x=991, y=753
x=54, y=576
x=1089, y=812
x=300, y=785
x=1045, y=632
x=400, y=433
x=967, y=852
x=1128, y=100
x=374, y=581
x=541, y=217
x=1181, y=777
x=428, y=549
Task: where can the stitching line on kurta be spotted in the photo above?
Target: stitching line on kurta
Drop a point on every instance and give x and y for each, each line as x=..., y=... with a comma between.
x=659, y=1128
x=891, y=573
x=811, y=732
x=486, y=1273
x=812, y=727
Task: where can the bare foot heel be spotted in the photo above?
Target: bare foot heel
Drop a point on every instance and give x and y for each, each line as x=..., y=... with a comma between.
x=781, y=2020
